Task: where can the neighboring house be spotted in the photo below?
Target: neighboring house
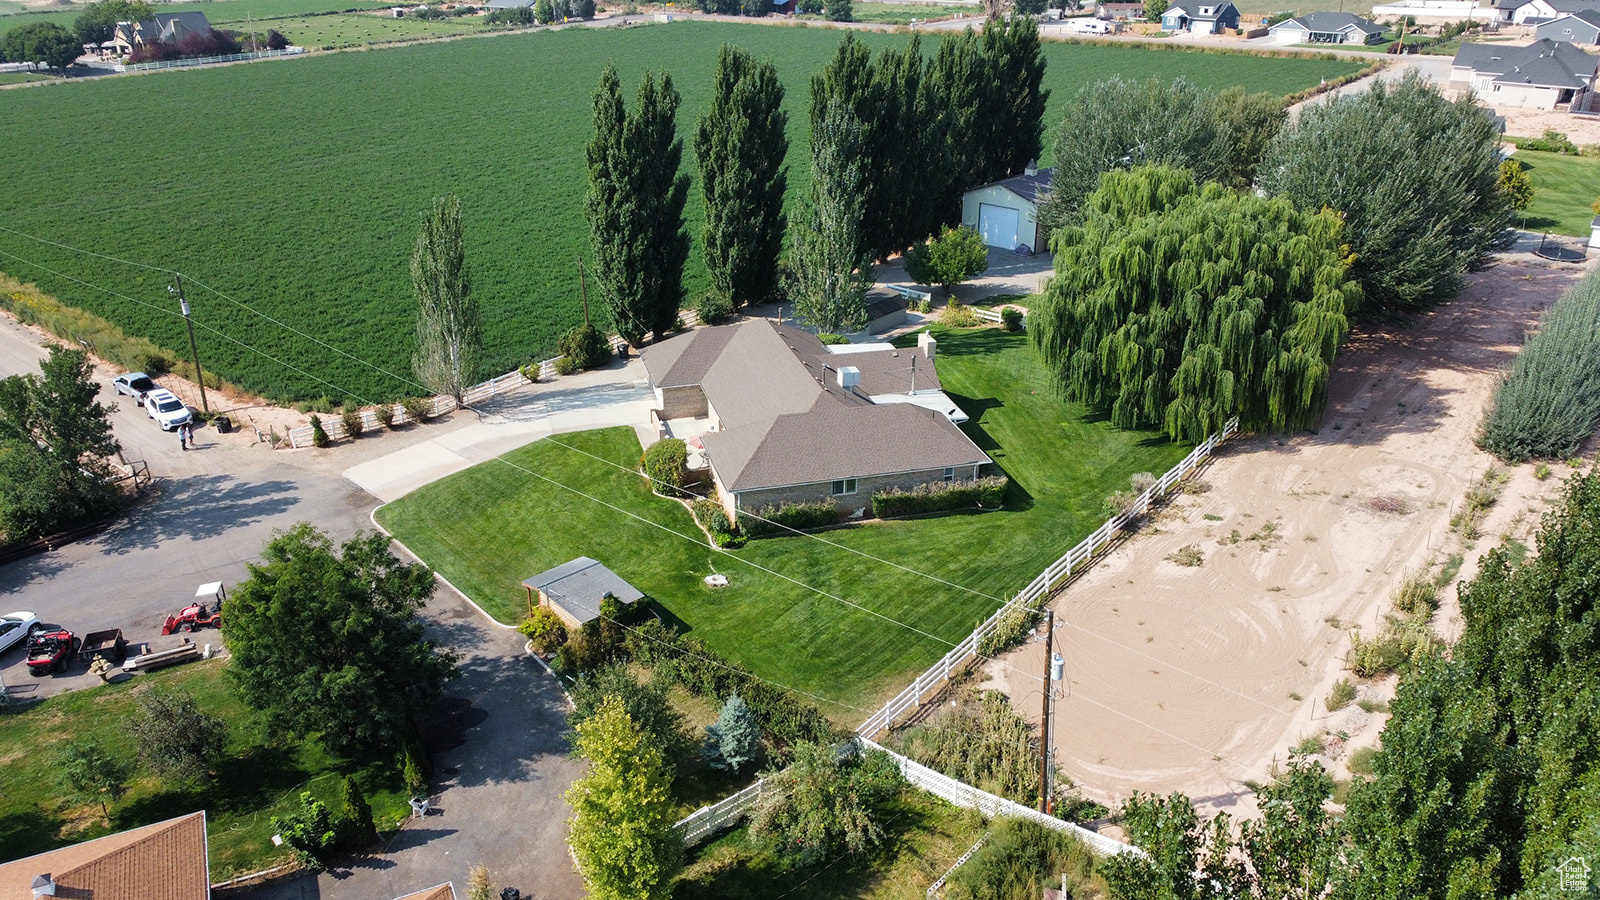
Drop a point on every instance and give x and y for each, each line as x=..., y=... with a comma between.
x=1006, y=213
x=1436, y=11
x=785, y=418
x=1120, y=12
x=1201, y=17
x=1532, y=12
x=168, y=28
x=165, y=861
x=574, y=590
x=1541, y=75
x=1327, y=28
x=1581, y=27
x=497, y=4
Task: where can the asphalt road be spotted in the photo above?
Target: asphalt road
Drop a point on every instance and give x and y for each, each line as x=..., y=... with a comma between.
x=501, y=765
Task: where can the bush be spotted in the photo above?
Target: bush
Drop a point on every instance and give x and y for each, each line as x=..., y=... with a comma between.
x=1342, y=695
x=838, y=10
x=768, y=520
x=319, y=435
x=1399, y=643
x=276, y=40
x=351, y=419
x=713, y=308
x=544, y=630
x=583, y=9
x=830, y=338
x=308, y=832
x=1551, y=141
x=1013, y=628
x=1011, y=318
x=418, y=409
x=1021, y=859
x=1417, y=596
x=714, y=519
x=586, y=346
x=666, y=463
x=1549, y=403
x=939, y=496
x=566, y=365
x=958, y=315
x=985, y=744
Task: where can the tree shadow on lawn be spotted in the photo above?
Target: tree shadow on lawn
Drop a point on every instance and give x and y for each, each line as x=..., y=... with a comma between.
x=28, y=831
x=243, y=784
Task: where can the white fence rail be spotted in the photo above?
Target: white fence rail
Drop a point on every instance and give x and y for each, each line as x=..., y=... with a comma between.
x=206, y=60
x=1039, y=589
x=965, y=795
x=708, y=820
x=937, y=888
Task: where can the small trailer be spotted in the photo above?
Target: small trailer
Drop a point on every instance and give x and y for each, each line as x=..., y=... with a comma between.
x=108, y=645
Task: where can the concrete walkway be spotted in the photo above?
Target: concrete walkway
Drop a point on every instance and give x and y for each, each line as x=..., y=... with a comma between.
x=619, y=395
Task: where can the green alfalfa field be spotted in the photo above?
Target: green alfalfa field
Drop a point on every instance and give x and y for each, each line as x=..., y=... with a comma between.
x=293, y=188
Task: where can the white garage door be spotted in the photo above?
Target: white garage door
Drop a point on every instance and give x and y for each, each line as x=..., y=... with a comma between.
x=998, y=225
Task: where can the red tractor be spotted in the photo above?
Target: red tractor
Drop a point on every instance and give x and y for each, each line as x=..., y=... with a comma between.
x=198, y=615
x=51, y=651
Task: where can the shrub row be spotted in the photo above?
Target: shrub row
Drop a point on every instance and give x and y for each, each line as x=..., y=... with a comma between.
x=1334, y=84
x=786, y=719
x=1549, y=403
x=666, y=463
x=982, y=493
x=769, y=520
x=714, y=519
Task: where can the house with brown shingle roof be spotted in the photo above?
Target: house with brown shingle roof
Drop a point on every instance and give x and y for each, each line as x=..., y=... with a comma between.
x=164, y=861
x=789, y=419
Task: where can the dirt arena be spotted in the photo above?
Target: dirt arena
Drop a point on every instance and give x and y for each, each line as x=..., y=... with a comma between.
x=1199, y=678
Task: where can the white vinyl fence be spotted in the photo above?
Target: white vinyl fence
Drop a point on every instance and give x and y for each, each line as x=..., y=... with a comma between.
x=708, y=820
x=1034, y=595
x=206, y=60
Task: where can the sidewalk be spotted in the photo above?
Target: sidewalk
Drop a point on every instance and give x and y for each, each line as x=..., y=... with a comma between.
x=619, y=395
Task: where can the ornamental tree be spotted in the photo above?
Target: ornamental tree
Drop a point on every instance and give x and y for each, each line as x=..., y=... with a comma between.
x=328, y=642
x=949, y=259
x=734, y=740
x=1179, y=306
x=622, y=811
x=826, y=802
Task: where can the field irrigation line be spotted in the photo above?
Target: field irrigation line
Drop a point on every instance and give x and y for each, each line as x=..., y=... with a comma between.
x=198, y=376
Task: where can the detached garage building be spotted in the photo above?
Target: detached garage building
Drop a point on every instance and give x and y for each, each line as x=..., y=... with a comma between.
x=1006, y=213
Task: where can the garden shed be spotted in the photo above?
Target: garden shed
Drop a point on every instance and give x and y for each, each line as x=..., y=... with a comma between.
x=574, y=590
x=1006, y=212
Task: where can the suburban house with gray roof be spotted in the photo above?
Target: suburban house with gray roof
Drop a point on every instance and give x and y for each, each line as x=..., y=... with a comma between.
x=168, y=28
x=1541, y=75
x=781, y=417
x=1533, y=12
x=1203, y=17
x=1581, y=27
x=575, y=589
x=1006, y=212
x=1326, y=28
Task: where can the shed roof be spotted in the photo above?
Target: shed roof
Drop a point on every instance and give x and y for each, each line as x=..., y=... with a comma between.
x=578, y=587
x=163, y=861
x=1031, y=188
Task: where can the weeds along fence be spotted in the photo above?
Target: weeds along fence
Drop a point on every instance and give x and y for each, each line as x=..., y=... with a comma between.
x=709, y=820
x=206, y=60
x=1039, y=590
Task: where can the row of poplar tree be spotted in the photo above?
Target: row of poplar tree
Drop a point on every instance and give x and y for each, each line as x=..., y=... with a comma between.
x=896, y=139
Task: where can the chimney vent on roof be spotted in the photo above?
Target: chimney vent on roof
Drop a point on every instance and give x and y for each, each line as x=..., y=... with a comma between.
x=927, y=345
x=43, y=886
x=849, y=377
x=1032, y=167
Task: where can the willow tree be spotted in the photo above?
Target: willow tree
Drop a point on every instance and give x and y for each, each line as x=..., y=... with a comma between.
x=1179, y=306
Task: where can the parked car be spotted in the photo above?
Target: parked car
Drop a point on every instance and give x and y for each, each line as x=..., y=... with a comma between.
x=168, y=411
x=134, y=384
x=17, y=627
x=51, y=651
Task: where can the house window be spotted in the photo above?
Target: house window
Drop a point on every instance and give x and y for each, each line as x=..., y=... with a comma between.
x=950, y=474
x=844, y=486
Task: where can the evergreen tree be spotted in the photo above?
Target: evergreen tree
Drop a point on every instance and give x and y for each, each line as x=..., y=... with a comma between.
x=448, y=326
x=1181, y=306
x=732, y=743
x=849, y=81
x=1013, y=111
x=1515, y=183
x=622, y=811
x=831, y=270
x=952, y=108
x=740, y=144
x=635, y=206
x=894, y=201
x=1414, y=176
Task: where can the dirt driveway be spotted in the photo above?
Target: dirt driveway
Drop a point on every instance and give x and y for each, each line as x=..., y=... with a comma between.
x=1198, y=678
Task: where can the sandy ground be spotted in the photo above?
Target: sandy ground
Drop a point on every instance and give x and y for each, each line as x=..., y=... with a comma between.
x=1197, y=679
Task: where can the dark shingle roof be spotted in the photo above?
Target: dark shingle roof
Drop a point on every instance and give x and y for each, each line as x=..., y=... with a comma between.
x=1544, y=63
x=1031, y=188
x=579, y=586
x=1334, y=22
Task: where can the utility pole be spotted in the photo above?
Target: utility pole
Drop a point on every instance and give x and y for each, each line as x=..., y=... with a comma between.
x=1044, y=727
x=194, y=349
x=583, y=288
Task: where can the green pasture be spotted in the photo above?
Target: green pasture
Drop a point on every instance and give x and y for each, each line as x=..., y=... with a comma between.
x=1564, y=186
x=354, y=29
x=810, y=614
x=295, y=187
x=903, y=13
x=230, y=13
x=262, y=774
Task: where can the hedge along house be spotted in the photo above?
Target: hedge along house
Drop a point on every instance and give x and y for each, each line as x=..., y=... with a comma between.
x=575, y=589
x=781, y=417
x=1006, y=212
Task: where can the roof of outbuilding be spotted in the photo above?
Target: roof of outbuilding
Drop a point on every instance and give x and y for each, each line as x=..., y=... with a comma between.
x=1031, y=188
x=579, y=585
x=163, y=861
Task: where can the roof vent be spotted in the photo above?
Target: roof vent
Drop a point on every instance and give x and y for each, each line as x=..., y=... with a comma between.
x=43, y=886
x=1032, y=167
x=849, y=377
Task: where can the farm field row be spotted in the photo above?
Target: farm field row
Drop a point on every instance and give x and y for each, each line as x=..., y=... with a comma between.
x=810, y=614
x=295, y=187
x=218, y=12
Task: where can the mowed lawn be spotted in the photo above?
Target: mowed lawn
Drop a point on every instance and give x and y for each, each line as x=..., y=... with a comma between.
x=1564, y=186
x=295, y=187
x=260, y=776
x=850, y=616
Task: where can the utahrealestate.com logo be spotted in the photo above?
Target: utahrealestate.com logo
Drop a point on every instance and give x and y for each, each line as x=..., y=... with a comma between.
x=1574, y=874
